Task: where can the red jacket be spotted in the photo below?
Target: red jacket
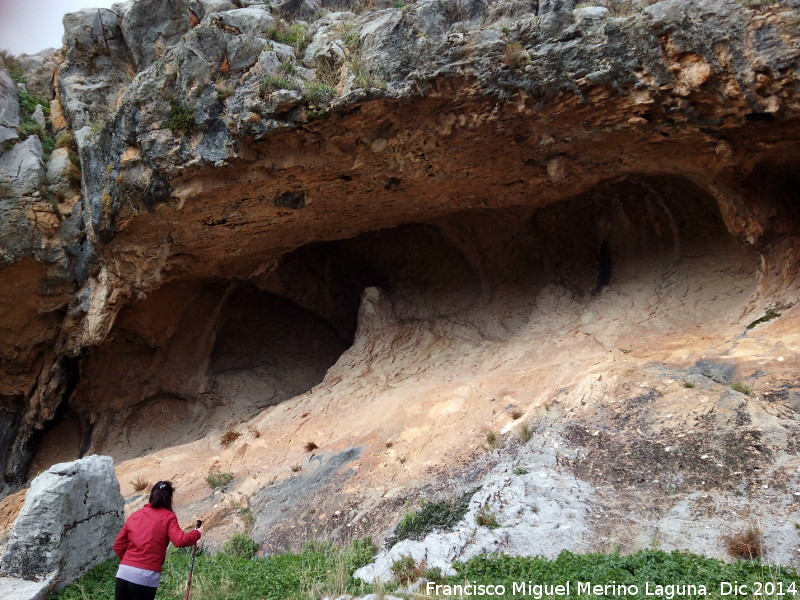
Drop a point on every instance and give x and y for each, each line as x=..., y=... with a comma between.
x=142, y=542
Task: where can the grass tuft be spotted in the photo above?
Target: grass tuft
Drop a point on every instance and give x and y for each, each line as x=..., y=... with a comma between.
x=431, y=516
x=741, y=388
x=140, y=483
x=745, y=545
x=216, y=479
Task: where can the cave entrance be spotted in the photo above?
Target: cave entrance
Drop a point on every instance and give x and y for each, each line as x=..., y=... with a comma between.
x=211, y=352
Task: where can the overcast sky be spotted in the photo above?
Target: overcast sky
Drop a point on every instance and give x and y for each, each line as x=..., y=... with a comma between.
x=27, y=26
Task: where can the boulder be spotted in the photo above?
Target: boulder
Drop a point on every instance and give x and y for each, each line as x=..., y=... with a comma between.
x=9, y=108
x=21, y=167
x=72, y=513
x=59, y=166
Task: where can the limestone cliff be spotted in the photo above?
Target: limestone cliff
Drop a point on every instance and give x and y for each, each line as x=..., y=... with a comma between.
x=361, y=240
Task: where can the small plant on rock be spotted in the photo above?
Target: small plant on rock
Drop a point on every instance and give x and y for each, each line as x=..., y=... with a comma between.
x=241, y=544
x=318, y=93
x=216, y=479
x=406, y=570
x=741, y=388
x=493, y=441
x=688, y=384
x=181, y=120
x=524, y=433
x=486, y=518
x=139, y=483
x=229, y=437
x=515, y=56
x=745, y=545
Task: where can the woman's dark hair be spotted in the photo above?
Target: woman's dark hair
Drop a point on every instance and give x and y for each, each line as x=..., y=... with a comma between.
x=161, y=495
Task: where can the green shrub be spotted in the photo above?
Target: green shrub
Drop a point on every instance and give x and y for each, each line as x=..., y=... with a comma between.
x=688, y=384
x=318, y=93
x=431, y=516
x=272, y=83
x=215, y=479
x=520, y=471
x=297, y=35
x=768, y=316
x=13, y=66
x=241, y=544
x=181, y=120
x=28, y=103
x=406, y=570
x=741, y=388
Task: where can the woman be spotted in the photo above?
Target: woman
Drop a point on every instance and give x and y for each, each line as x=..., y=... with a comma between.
x=142, y=545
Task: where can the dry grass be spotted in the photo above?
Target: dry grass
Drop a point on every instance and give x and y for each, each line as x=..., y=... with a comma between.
x=493, y=441
x=745, y=545
x=296, y=468
x=140, y=483
x=229, y=437
x=515, y=55
x=516, y=414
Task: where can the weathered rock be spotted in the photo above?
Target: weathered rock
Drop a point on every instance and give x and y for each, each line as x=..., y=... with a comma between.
x=40, y=69
x=21, y=167
x=9, y=108
x=327, y=44
x=23, y=589
x=58, y=167
x=254, y=21
x=38, y=117
x=72, y=513
x=590, y=12
x=296, y=9
x=150, y=27
x=97, y=66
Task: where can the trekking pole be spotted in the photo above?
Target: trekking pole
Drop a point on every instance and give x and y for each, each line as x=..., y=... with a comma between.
x=191, y=568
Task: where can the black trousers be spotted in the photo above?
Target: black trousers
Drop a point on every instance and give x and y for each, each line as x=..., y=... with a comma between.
x=125, y=590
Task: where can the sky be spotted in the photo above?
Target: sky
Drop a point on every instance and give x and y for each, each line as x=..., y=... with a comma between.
x=27, y=26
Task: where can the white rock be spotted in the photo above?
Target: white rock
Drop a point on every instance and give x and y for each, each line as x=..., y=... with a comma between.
x=590, y=12
x=72, y=513
x=253, y=21
x=22, y=589
x=21, y=167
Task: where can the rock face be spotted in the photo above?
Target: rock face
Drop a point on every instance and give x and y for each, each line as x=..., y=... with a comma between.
x=72, y=514
x=429, y=214
x=9, y=108
x=21, y=167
